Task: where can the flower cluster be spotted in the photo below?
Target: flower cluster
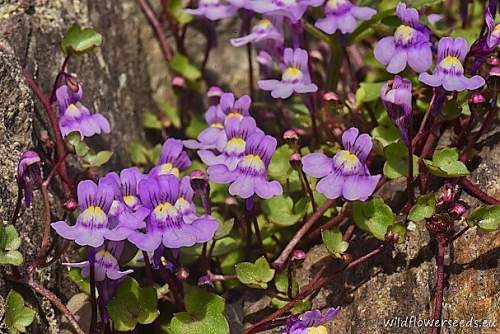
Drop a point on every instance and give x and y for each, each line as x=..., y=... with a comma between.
x=310, y=322
x=341, y=15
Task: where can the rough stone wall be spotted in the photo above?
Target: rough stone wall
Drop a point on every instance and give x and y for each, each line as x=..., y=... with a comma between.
x=122, y=78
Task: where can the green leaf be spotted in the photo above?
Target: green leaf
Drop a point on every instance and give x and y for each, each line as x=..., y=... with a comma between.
x=196, y=125
x=181, y=64
x=150, y=121
x=132, y=305
x=279, y=211
x=175, y=9
x=74, y=139
x=279, y=166
x=78, y=40
x=224, y=228
x=281, y=283
x=373, y=216
x=400, y=230
x=386, y=133
x=9, y=238
x=487, y=218
x=255, y=275
x=333, y=241
x=396, y=165
x=367, y=92
x=204, y=314
x=14, y=258
x=137, y=153
x=83, y=283
x=96, y=159
x=423, y=208
x=17, y=316
x=170, y=113
x=445, y=163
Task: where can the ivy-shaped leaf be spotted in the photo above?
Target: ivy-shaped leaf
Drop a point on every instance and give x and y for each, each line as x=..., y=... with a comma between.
x=373, y=216
x=281, y=170
x=175, y=9
x=78, y=40
x=74, y=140
x=400, y=230
x=9, y=243
x=279, y=211
x=445, y=163
x=255, y=275
x=170, y=115
x=150, y=121
x=396, y=164
x=424, y=208
x=281, y=283
x=92, y=159
x=367, y=92
x=83, y=283
x=181, y=64
x=204, y=314
x=132, y=305
x=17, y=316
x=333, y=241
x=487, y=218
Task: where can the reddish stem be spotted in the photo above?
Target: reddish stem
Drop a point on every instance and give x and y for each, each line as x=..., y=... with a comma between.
x=343, y=214
x=158, y=29
x=473, y=190
x=438, y=299
x=279, y=263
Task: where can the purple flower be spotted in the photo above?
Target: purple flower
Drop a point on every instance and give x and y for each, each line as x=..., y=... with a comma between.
x=293, y=9
x=173, y=160
x=75, y=117
x=235, y=108
x=29, y=174
x=127, y=213
x=295, y=77
x=237, y=132
x=341, y=15
x=449, y=71
x=213, y=137
x=410, y=44
x=106, y=266
x=493, y=35
x=346, y=174
x=310, y=322
x=264, y=30
x=168, y=223
x=213, y=9
x=250, y=175
x=396, y=97
x=91, y=227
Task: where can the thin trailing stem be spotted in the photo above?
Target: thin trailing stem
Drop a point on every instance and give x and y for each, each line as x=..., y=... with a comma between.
x=174, y=287
x=458, y=234
x=279, y=263
x=158, y=29
x=308, y=188
x=19, y=202
x=473, y=190
x=410, y=190
x=148, y=269
x=334, y=221
x=438, y=297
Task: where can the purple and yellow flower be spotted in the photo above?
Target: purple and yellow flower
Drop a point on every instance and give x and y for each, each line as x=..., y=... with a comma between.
x=213, y=137
x=342, y=15
x=29, y=174
x=311, y=322
x=346, y=174
x=237, y=132
x=493, y=35
x=250, y=175
x=264, y=30
x=295, y=76
x=168, y=223
x=173, y=159
x=292, y=9
x=106, y=266
x=449, y=71
x=396, y=97
x=410, y=44
x=232, y=107
x=213, y=9
x=75, y=117
x=91, y=227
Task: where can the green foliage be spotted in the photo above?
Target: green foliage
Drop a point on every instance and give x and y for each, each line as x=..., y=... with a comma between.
x=255, y=275
x=170, y=115
x=373, y=216
x=423, y=208
x=396, y=164
x=204, y=314
x=280, y=211
x=89, y=157
x=400, y=230
x=142, y=156
x=151, y=121
x=175, y=9
x=386, y=132
x=76, y=144
x=224, y=228
x=17, y=316
x=9, y=243
x=281, y=170
x=487, y=218
x=333, y=241
x=181, y=65
x=367, y=92
x=132, y=305
x=196, y=125
x=445, y=163
x=92, y=159
x=78, y=40
x=83, y=283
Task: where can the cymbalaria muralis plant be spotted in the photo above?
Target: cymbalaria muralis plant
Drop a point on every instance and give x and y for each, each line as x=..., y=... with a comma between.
x=350, y=96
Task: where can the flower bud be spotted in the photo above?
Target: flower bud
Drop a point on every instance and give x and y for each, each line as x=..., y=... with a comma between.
x=70, y=205
x=29, y=174
x=72, y=83
x=494, y=78
x=448, y=195
x=291, y=137
x=477, y=102
x=296, y=161
x=458, y=210
x=214, y=93
x=298, y=255
x=179, y=82
x=199, y=181
x=205, y=280
x=346, y=258
x=330, y=97
x=493, y=61
x=182, y=274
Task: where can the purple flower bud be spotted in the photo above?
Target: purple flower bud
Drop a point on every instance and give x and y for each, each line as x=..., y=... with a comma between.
x=179, y=82
x=494, y=78
x=477, y=102
x=182, y=274
x=458, y=210
x=295, y=161
x=493, y=61
x=215, y=91
x=199, y=181
x=330, y=97
x=298, y=255
x=29, y=174
x=291, y=135
x=205, y=280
